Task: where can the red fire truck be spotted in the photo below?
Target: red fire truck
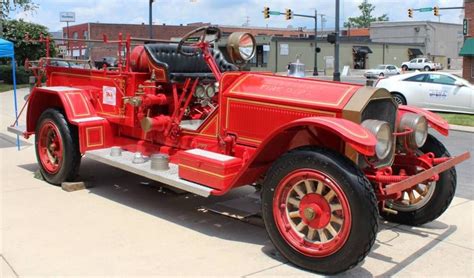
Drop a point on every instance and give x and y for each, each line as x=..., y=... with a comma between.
x=329, y=157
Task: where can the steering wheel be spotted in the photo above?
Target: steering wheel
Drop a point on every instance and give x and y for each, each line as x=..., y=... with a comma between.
x=202, y=42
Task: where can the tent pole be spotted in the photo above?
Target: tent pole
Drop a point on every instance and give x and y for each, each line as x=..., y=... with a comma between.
x=14, y=95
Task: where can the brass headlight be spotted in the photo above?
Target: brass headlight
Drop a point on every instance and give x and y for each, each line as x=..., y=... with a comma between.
x=419, y=125
x=241, y=47
x=383, y=133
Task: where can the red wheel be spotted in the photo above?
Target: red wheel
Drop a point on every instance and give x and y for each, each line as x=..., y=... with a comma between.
x=57, y=150
x=50, y=147
x=319, y=210
x=312, y=213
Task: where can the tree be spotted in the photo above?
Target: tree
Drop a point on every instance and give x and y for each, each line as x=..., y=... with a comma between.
x=6, y=6
x=15, y=31
x=364, y=20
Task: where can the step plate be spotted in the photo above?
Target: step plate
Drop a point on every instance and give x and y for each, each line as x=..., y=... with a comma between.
x=18, y=130
x=169, y=177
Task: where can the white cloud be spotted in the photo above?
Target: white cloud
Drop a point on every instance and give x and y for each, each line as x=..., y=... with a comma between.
x=229, y=12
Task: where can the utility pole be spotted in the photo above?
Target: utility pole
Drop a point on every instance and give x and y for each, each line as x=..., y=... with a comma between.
x=337, y=74
x=150, y=20
x=315, y=69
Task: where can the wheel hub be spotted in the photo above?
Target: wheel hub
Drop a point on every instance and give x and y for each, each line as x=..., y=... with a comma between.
x=315, y=211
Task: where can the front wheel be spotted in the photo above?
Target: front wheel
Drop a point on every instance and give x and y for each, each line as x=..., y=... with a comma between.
x=319, y=210
x=56, y=145
x=404, y=68
x=426, y=201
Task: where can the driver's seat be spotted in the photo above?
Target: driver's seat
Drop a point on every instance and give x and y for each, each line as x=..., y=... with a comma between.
x=177, y=66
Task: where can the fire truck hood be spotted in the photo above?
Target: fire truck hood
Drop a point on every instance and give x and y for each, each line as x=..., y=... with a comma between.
x=300, y=92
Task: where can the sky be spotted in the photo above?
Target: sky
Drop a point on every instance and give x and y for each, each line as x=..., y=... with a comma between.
x=225, y=12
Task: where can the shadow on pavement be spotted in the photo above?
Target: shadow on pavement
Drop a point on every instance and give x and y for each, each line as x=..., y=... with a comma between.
x=7, y=141
x=183, y=209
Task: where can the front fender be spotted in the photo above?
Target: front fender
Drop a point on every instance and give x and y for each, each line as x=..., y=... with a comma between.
x=354, y=134
x=435, y=121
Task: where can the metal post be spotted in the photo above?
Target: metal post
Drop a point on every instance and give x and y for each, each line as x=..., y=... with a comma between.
x=68, y=42
x=315, y=70
x=337, y=74
x=150, y=27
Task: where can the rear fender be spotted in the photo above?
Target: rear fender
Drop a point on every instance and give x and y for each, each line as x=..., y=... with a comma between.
x=327, y=132
x=435, y=121
x=79, y=112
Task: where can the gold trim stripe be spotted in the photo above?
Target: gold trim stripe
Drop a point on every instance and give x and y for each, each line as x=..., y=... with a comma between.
x=72, y=106
x=88, y=145
x=206, y=172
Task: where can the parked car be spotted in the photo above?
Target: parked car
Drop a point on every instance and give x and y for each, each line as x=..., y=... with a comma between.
x=435, y=91
x=421, y=64
x=108, y=61
x=382, y=71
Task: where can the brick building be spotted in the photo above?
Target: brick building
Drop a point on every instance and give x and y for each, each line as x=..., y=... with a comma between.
x=95, y=31
x=467, y=50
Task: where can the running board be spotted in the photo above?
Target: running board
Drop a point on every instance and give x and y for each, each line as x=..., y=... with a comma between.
x=169, y=177
x=18, y=130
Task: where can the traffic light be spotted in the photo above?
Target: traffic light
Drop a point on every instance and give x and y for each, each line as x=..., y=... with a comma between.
x=436, y=11
x=410, y=13
x=266, y=12
x=289, y=14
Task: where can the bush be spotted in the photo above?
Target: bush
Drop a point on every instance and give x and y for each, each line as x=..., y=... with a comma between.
x=22, y=75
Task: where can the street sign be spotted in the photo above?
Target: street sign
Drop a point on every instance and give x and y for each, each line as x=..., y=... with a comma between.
x=425, y=10
x=67, y=17
x=465, y=30
x=274, y=13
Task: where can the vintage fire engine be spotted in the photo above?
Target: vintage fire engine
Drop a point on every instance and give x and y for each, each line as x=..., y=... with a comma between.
x=329, y=157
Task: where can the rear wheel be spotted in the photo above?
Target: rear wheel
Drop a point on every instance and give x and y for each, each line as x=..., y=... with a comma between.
x=426, y=68
x=399, y=99
x=319, y=210
x=57, y=150
x=404, y=68
x=425, y=202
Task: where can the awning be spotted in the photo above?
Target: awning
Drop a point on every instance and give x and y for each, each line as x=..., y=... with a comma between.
x=361, y=49
x=414, y=52
x=468, y=48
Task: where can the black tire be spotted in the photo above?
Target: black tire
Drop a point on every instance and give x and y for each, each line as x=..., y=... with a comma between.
x=71, y=157
x=399, y=98
x=381, y=74
x=426, y=68
x=360, y=198
x=441, y=197
x=405, y=68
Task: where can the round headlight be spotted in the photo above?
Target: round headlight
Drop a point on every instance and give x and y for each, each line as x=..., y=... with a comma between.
x=383, y=134
x=419, y=125
x=241, y=47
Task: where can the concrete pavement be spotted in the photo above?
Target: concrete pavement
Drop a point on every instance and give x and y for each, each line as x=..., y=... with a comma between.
x=126, y=225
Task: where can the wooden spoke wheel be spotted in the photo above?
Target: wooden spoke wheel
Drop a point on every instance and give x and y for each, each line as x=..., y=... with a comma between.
x=319, y=210
x=426, y=201
x=57, y=148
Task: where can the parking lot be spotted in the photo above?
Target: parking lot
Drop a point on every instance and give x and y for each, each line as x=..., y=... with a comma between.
x=126, y=225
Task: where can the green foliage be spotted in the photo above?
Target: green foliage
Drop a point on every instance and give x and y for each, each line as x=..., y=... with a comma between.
x=364, y=20
x=22, y=75
x=6, y=6
x=15, y=31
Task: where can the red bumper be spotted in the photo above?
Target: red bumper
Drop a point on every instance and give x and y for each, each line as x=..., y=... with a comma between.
x=410, y=181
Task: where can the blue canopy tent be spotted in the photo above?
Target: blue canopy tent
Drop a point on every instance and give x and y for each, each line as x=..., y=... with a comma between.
x=7, y=51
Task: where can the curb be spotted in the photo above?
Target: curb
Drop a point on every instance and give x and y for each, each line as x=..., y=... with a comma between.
x=461, y=128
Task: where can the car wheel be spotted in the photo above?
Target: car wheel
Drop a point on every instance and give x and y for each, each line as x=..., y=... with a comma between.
x=427, y=201
x=56, y=145
x=381, y=74
x=426, y=68
x=319, y=210
x=404, y=67
x=399, y=99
